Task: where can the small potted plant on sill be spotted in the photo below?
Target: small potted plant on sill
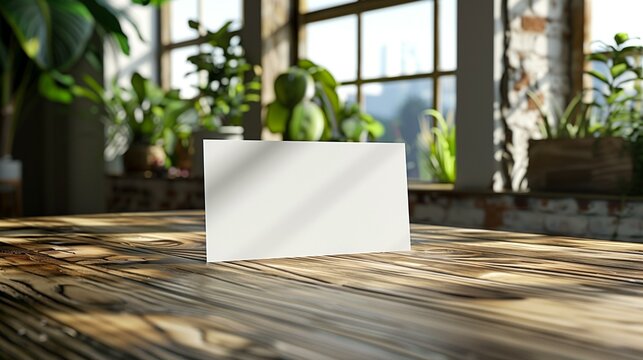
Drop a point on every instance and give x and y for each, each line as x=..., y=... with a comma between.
x=144, y=122
x=307, y=108
x=588, y=147
x=228, y=84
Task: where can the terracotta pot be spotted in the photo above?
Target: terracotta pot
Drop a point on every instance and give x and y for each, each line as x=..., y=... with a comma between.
x=141, y=158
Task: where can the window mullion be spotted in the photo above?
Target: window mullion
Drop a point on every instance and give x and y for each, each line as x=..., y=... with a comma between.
x=360, y=100
x=436, y=54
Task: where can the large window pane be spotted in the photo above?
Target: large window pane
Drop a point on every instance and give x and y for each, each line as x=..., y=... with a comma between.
x=313, y=5
x=398, y=40
x=180, y=67
x=447, y=95
x=180, y=12
x=609, y=17
x=448, y=34
x=333, y=44
x=399, y=105
x=216, y=13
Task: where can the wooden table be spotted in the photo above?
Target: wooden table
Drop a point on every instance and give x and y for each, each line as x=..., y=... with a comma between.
x=137, y=285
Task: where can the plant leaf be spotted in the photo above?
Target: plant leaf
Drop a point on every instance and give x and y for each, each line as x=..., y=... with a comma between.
x=138, y=84
x=53, y=33
x=598, y=57
x=618, y=69
x=107, y=19
x=598, y=75
x=50, y=89
x=277, y=117
x=621, y=37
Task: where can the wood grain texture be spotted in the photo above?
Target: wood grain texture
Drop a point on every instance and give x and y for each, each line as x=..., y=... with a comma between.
x=137, y=286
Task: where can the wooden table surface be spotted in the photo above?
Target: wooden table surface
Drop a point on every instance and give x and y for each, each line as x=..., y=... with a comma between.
x=137, y=286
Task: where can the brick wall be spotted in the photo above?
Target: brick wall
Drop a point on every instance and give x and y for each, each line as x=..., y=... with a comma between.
x=537, y=54
x=606, y=218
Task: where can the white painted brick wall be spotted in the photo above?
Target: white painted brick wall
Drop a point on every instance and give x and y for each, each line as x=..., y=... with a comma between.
x=535, y=57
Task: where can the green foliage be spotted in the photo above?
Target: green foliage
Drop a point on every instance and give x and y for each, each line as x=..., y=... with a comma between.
x=619, y=107
x=575, y=121
x=39, y=41
x=343, y=122
x=436, y=143
x=231, y=83
x=143, y=112
x=614, y=109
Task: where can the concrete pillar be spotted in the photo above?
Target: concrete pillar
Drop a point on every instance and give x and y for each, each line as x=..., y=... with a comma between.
x=477, y=93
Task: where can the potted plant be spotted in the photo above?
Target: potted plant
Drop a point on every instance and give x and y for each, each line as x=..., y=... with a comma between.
x=227, y=86
x=308, y=108
x=144, y=122
x=587, y=147
x=39, y=41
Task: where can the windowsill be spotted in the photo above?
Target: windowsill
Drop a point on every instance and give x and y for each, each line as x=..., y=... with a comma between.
x=420, y=186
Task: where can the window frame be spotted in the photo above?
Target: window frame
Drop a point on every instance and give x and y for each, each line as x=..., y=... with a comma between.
x=358, y=8
x=165, y=45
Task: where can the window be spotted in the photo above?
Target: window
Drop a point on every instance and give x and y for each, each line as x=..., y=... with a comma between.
x=395, y=58
x=179, y=41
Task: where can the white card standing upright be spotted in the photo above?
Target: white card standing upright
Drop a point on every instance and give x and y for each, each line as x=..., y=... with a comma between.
x=269, y=199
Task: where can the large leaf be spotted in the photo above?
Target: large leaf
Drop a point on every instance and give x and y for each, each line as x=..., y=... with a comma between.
x=107, y=19
x=54, y=33
x=277, y=117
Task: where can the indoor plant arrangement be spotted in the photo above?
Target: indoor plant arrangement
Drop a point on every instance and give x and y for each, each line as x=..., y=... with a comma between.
x=228, y=85
x=436, y=144
x=144, y=122
x=590, y=145
x=307, y=108
x=40, y=40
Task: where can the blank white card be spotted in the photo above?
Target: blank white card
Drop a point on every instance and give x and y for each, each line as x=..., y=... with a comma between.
x=269, y=199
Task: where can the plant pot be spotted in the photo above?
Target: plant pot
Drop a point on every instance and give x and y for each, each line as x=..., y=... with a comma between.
x=222, y=133
x=141, y=157
x=597, y=165
x=10, y=187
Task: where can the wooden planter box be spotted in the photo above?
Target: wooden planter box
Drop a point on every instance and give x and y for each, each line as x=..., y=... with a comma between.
x=598, y=165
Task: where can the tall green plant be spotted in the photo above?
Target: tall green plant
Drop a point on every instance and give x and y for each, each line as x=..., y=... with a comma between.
x=231, y=83
x=39, y=41
x=436, y=143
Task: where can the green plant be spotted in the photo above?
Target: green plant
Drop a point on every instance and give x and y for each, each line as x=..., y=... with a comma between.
x=577, y=120
x=436, y=143
x=614, y=110
x=39, y=41
x=231, y=83
x=143, y=113
x=342, y=121
x=620, y=107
